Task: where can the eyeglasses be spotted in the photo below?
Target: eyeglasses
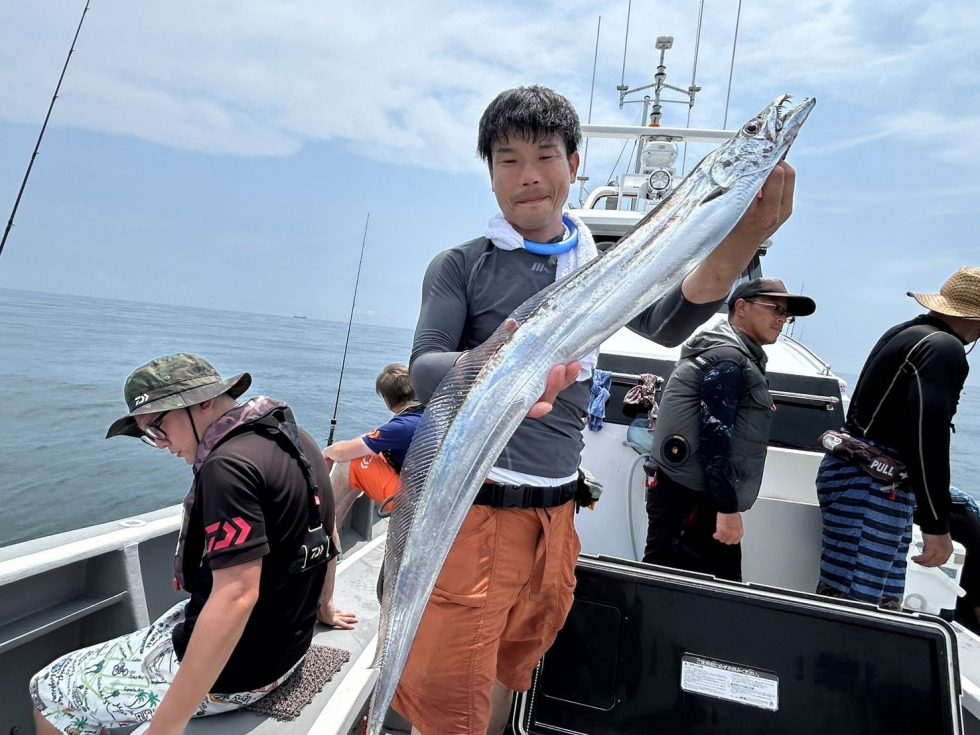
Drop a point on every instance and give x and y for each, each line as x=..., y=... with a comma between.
x=153, y=433
x=778, y=309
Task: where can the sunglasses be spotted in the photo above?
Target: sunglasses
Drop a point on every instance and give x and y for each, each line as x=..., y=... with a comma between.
x=153, y=434
x=777, y=309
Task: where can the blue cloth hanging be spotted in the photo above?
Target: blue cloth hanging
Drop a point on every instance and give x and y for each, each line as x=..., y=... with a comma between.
x=601, y=383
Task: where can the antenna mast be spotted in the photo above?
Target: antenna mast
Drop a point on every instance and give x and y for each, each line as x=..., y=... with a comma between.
x=694, y=74
x=585, y=155
x=654, y=111
x=731, y=68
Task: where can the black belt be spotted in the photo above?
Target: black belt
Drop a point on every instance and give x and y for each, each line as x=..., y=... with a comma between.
x=524, y=496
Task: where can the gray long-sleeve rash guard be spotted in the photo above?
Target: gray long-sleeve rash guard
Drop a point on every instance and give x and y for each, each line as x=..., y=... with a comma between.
x=467, y=293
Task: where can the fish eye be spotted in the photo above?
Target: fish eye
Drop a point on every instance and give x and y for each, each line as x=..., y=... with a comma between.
x=752, y=127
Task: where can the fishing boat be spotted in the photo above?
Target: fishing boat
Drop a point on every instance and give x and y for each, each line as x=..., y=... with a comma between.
x=688, y=653
x=646, y=649
x=633, y=657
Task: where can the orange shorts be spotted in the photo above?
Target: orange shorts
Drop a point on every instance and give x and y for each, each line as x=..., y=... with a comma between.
x=374, y=477
x=500, y=600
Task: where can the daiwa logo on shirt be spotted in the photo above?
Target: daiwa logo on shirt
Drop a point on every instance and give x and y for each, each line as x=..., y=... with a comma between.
x=233, y=535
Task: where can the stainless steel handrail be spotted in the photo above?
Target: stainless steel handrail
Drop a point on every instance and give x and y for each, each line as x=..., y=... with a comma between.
x=635, y=378
x=829, y=401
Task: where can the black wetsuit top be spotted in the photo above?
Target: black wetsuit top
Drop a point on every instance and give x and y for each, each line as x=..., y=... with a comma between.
x=906, y=398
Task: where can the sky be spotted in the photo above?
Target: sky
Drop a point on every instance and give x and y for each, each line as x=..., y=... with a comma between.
x=227, y=155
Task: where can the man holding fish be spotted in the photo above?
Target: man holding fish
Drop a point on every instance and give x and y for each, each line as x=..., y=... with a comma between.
x=506, y=586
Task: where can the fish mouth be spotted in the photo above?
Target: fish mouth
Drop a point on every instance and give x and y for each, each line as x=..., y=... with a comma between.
x=789, y=112
x=790, y=116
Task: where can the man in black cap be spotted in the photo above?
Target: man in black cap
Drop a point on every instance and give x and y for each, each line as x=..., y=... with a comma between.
x=253, y=553
x=709, y=444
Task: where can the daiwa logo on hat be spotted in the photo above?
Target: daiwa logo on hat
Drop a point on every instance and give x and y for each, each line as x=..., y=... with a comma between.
x=171, y=382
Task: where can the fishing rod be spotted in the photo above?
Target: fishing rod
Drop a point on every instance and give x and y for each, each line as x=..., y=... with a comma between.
x=37, y=146
x=350, y=321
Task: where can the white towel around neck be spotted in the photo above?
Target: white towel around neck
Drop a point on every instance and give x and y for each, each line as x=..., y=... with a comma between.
x=504, y=236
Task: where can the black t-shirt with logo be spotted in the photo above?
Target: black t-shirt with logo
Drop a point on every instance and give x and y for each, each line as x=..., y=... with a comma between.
x=252, y=503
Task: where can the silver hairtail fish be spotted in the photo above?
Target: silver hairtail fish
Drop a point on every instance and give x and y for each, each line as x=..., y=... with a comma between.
x=481, y=401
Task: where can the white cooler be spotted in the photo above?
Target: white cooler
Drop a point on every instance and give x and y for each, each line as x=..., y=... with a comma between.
x=933, y=589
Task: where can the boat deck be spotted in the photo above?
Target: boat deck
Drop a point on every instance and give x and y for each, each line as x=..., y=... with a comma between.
x=91, y=586
x=105, y=580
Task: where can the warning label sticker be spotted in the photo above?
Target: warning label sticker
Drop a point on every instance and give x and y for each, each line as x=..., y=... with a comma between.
x=730, y=682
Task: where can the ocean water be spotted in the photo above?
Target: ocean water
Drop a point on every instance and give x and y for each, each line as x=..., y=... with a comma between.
x=63, y=360
x=965, y=446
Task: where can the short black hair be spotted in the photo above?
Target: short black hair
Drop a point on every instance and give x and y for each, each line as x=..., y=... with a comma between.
x=534, y=113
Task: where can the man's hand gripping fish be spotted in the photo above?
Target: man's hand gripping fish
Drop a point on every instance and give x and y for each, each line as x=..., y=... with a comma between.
x=483, y=399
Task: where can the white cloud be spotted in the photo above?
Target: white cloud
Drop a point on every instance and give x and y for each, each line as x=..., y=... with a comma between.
x=407, y=82
x=843, y=144
x=263, y=78
x=915, y=201
x=953, y=137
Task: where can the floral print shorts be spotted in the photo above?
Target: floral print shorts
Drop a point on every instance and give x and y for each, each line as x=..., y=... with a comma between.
x=121, y=682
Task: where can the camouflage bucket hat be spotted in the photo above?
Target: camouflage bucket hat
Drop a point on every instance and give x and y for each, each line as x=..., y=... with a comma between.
x=174, y=381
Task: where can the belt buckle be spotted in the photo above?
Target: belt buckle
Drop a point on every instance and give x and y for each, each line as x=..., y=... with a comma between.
x=511, y=498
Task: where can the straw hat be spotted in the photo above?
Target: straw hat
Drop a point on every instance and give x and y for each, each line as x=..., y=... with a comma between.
x=959, y=296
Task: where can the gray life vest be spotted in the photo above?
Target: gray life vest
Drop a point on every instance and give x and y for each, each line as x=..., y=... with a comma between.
x=676, y=440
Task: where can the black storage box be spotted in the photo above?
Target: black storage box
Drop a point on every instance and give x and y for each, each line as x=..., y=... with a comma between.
x=649, y=650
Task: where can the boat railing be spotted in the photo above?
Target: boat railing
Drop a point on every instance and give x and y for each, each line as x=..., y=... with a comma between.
x=627, y=377
x=613, y=193
x=80, y=587
x=25, y=562
x=690, y=135
x=828, y=402
x=73, y=589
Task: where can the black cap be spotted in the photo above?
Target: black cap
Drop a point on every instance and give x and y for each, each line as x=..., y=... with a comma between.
x=795, y=304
